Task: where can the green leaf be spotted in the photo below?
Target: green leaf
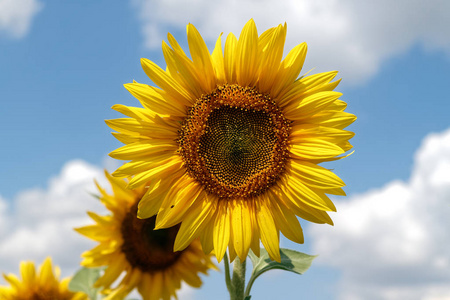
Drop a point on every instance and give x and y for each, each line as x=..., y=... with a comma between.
x=292, y=261
x=83, y=281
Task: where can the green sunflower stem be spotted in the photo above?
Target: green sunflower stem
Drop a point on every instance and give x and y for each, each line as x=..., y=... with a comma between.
x=238, y=280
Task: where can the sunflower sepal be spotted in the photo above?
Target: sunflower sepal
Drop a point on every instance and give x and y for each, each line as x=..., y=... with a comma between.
x=83, y=281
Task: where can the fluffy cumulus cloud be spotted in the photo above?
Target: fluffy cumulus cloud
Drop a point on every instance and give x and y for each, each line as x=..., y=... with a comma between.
x=39, y=223
x=393, y=242
x=354, y=37
x=16, y=16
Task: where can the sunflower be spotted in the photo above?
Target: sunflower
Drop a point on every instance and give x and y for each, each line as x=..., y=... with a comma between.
x=130, y=245
x=42, y=286
x=231, y=142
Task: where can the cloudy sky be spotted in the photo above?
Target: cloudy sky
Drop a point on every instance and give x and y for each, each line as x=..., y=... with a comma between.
x=63, y=64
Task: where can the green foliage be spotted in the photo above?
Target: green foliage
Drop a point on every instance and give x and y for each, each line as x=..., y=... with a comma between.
x=291, y=261
x=83, y=281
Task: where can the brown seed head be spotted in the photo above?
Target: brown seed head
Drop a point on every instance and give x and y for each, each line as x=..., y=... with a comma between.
x=234, y=141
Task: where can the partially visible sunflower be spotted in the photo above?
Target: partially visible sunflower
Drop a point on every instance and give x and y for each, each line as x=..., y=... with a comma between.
x=42, y=286
x=130, y=245
x=231, y=142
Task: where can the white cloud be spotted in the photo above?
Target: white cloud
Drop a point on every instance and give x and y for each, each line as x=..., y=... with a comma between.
x=354, y=37
x=39, y=223
x=393, y=242
x=16, y=16
x=3, y=215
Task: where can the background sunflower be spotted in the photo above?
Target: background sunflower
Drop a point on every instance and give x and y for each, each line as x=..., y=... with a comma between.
x=44, y=284
x=130, y=245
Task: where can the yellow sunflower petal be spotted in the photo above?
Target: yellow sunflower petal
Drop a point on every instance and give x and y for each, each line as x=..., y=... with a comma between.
x=177, y=203
x=144, y=288
x=201, y=57
x=183, y=70
x=332, y=118
x=46, y=276
x=301, y=192
x=101, y=220
x=119, y=188
x=287, y=222
x=134, y=167
x=247, y=52
x=335, y=191
x=231, y=251
x=310, y=105
x=327, y=87
x=271, y=57
x=151, y=201
x=207, y=239
x=165, y=82
x=304, y=86
x=12, y=280
x=156, y=100
x=28, y=273
x=230, y=58
x=140, y=114
x=111, y=273
x=334, y=135
x=222, y=230
x=255, y=244
x=174, y=44
x=301, y=209
x=315, y=149
x=290, y=69
x=242, y=227
x=338, y=105
x=268, y=230
x=218, y=61
x=142, y=150
x=129, y=138
x=199, y=216
x=141, y=178
x=316, y=176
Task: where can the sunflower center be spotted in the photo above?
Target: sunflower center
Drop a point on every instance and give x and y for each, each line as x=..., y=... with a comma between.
x=234, y=142
x=145, y=248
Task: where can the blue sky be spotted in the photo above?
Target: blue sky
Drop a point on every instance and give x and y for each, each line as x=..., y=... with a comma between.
x=63, y=65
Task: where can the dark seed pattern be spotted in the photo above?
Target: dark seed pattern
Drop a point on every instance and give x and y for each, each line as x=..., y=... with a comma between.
x=234, y=141
x=147, y=249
